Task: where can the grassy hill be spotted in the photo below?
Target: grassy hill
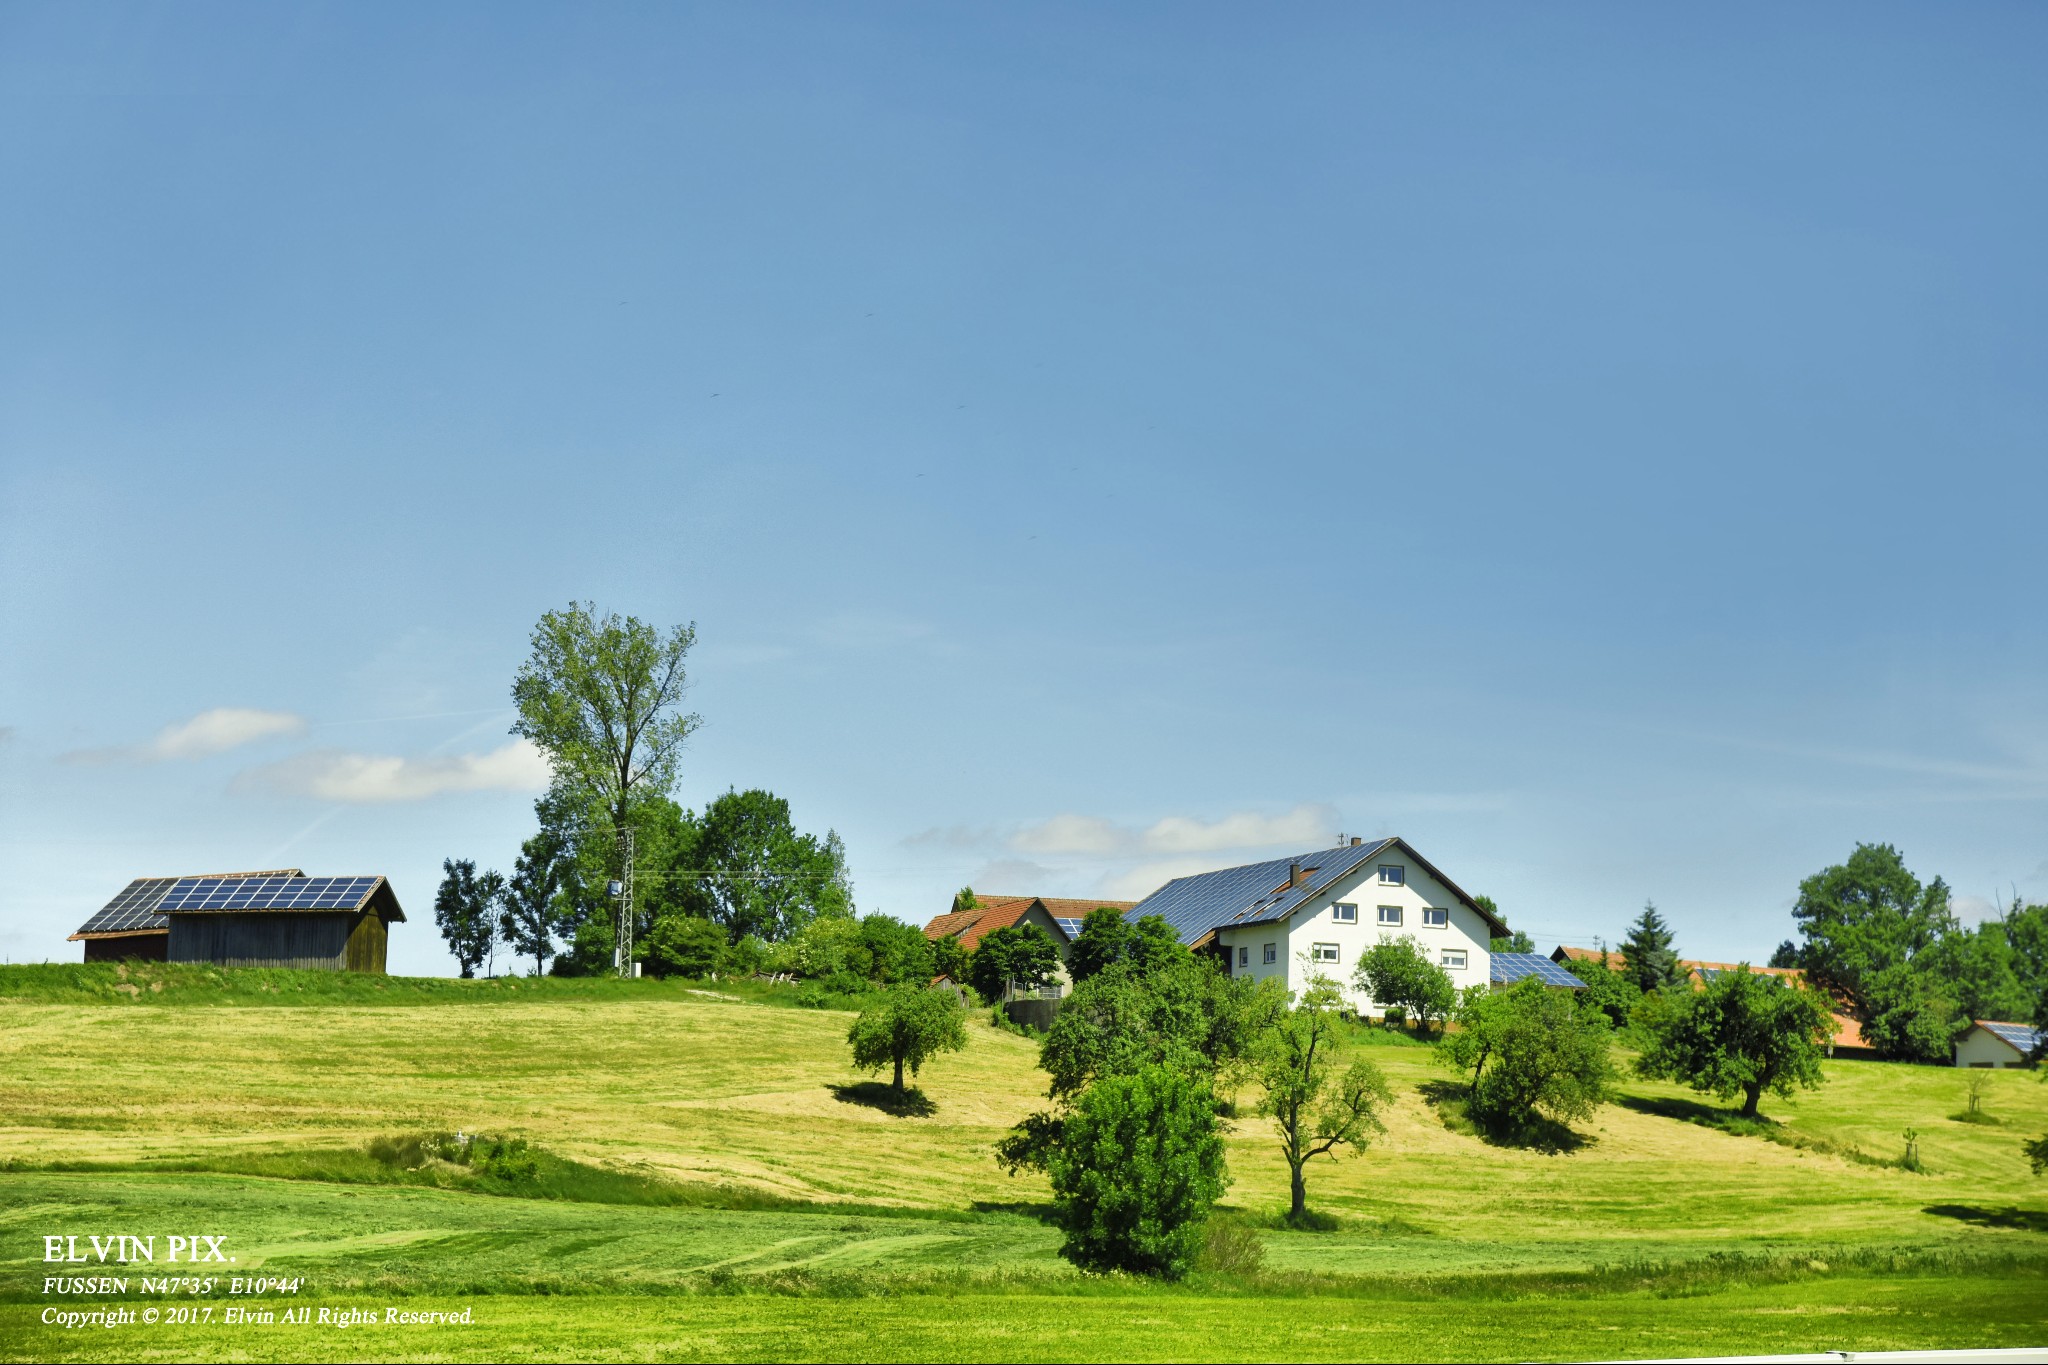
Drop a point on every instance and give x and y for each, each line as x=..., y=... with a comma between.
x=718, y=1183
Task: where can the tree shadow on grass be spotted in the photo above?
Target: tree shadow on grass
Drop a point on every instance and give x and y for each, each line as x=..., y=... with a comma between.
x=2025, y=1220
x=908, y=1103
x=1538, y=1133
x=1692, y=1111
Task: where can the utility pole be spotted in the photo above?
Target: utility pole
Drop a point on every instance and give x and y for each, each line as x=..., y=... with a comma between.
x=626, y=909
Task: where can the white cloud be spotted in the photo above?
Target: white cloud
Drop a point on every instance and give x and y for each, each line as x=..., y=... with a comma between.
x=378, y=779
x=1071, y=834
x=1306, y=826
x=206, y=734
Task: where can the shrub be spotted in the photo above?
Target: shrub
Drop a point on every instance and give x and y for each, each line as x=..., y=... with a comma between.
x=1532, y=1052
x=1137, y=1169
x=684, y=945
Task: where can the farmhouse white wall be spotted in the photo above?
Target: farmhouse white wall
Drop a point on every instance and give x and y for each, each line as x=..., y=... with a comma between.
x=1315, y=923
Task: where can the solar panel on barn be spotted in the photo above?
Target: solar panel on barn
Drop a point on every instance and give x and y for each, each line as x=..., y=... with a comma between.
x=1508, y=968
x=272, y=919
x=2019, y=1035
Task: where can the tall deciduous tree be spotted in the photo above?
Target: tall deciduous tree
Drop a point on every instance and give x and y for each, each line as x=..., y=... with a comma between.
x=532, y=912
x=1870, y=930
x=1315, y=1110
x=759, y=876
x=1648, y=959
x=1745, y=1034
x=465, y=908
x=907, y=1027
x=601, y=697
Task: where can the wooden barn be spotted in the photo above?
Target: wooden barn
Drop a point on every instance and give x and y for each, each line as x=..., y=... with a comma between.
x=248, y=919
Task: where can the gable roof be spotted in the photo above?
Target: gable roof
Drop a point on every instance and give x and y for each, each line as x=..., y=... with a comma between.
x=1258, y=893
x=146, y=904
x=991, y=913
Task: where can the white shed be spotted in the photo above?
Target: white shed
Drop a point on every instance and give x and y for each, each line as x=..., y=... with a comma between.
x=1993, y=1043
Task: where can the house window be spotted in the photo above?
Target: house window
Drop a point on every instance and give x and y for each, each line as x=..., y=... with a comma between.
x=1244, y=957
x=1344, y=914
x=1434, y=917
x=1393, y=874
x=1272, y=953
x=1390, y=916
x=1454, y=957
x=1323, y=952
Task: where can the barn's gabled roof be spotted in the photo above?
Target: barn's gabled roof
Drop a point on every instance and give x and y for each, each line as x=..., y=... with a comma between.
x=990, y=913
x=1260, y=893
x=146, y=904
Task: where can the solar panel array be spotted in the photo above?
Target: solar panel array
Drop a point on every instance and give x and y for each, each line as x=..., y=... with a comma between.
x=1247, y=895
x=2019, y=1035
x=268, y=893
x=1511, y=967
x=1070, y=927
x=134, y=908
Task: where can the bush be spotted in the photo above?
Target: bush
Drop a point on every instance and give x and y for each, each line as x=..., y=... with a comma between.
x=684, y=945
x=1532, y=1053
x=1137, y=1169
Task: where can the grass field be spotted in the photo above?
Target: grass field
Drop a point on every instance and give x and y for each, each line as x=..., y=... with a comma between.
x=725, y=1187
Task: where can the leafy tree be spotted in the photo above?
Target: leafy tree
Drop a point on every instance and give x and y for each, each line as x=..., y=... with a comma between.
x=601, y=697
x=1647, y=957
x=1531, y=1051
x=1020, y=955
x=1137, y=1169
x=464, y=909
x=1188, y=1016
x=1314, y=1110
x=1746, y=1034
x=1611, y=992
x=1104, y=940
x=1397, y=971
x=760, y=876
x=1786, y=954
x=949, y=959
x=895, y=953
x=533, y=913
x=684, y=945
x=1909, y=1013
x=1866, y=915
x=2026, y=933
x=1977, y=967
x=1155, y=946
x=908, y=1026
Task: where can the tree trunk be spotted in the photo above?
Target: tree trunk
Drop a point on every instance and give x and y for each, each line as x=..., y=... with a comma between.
x=1300, y=1191
x=1750, y=1095
x=899, y=1073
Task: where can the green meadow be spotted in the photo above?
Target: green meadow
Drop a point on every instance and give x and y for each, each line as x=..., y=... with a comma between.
x=706, y=1178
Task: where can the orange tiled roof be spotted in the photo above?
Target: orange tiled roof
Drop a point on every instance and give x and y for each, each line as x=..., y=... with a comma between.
x=1069, y=907
x=992, y=913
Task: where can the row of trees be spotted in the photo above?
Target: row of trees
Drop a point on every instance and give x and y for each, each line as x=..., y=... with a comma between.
x=1878, y=943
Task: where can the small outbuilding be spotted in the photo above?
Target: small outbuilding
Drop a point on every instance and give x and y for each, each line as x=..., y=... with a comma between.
x=248, y=919
x=1508, y=969
x=1995, y=1043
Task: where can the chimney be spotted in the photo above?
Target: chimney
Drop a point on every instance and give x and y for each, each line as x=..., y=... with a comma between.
x=1294, y=876
x=1356, y=841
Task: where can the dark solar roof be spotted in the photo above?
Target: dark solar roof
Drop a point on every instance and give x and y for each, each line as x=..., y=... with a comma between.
x=268, y=893
x=1256, y=893
x=147, y=902
x=1070, y=927
x=133, y=909
x=2019, y=1035
x=1511, y=967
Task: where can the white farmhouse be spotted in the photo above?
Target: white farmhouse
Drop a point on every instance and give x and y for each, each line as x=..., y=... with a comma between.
x=1326, y=908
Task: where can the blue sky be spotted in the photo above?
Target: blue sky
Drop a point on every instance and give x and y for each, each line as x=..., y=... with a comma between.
x=1602, y=444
